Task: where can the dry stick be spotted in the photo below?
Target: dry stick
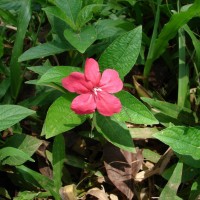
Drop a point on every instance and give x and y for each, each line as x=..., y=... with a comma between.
x=158, y=168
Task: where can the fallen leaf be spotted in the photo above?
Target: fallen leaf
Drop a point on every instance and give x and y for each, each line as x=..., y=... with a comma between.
x=98, y=193
x=121, y=167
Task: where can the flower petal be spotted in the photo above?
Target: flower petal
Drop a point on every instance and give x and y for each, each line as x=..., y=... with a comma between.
x=110, y=81
x=107, y=104
x=84, y=104
x=76, y=82
x=92, y=73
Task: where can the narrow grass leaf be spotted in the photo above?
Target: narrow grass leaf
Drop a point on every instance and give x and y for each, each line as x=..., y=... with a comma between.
x=183, y=73
x=58, y=160
x=171, y=188
x=122, y=54
x=15, y=69
x=12, y=114
x=195, y=189
x=170, y=30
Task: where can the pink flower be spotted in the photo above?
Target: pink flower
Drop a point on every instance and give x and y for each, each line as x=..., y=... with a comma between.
x=95, y=89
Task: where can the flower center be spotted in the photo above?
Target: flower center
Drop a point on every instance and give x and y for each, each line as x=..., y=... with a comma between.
x=95, y=90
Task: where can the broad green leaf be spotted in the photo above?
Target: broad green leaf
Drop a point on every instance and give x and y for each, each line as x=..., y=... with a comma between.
x=15, y=68
x=70, y=8
x=58, y=160
x=86, y=14
x=25, y=143
x=40, y=70
x=57, y=12
x=167, y=112
x=115, y=132
x=183, y=140
x=122, y=54
x=12, y=114
x=171, y=188
x=12, y=152
x=108, y=27
x=46, y=49
x=81, y=40
x=36, y=179
x=60, y=117
x=195, y=189
x=133, y=110
x=56, y=74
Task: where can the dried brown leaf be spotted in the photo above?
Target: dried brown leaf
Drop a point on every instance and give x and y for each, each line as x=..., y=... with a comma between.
x=98, y=193
x=121, y=167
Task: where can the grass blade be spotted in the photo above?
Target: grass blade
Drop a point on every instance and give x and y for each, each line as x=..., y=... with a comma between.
x=15, y=69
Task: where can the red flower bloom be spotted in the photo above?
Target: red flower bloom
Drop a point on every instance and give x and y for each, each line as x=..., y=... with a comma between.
x=95, y=90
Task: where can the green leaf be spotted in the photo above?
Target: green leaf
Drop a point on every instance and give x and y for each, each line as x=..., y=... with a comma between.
x=12, y=152
x=109, y=28
x=167, y=112
x=171, y=28
x=43, y=50
x=133, y=110
x=81, y=40
x=58, y=160
x=70, y=8
x=183, y=140
x=170, y=189
x=115, y=132
x=10, y=4
x=195, y=189
x=122, y=54
x=8, y=17
x=86, y=14
x=36, y=179
x=4, y=86
x=56, y=74
x=25, y=143
x=26, y=195
x=1, y=45
x=76, y=161
x=57, y=12
x=12, y=114
x=60, y=117
x=15, y=68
